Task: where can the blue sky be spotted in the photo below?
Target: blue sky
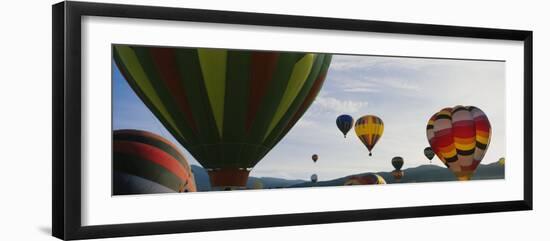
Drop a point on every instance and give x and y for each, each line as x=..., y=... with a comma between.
x=403, y=92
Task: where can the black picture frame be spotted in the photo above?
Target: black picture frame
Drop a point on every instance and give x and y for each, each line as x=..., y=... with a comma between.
x=66, y=197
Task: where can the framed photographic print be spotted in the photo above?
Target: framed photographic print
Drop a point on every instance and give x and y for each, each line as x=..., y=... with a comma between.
x=216, y=120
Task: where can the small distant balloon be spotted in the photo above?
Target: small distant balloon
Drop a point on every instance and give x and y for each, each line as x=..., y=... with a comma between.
x=344, y=123
x=429, y=153
x=314, y=178
x=397, y=162
x=314, y=157
x=369, y=129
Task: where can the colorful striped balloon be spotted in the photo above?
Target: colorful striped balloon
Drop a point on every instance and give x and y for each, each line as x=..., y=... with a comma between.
x=459, y=137
x=369, y=129
x=144, y=162
x=228, y=108
x=368, y=179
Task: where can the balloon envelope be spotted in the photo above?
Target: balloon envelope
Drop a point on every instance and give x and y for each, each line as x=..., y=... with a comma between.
x=429, y=153
x=459, y=136
x=314, y=178
x=228, y=108
x=397, y=162
x=314, y=157
x=144, y=162
x=127, y=184
x=344, y=123
x=369, y=129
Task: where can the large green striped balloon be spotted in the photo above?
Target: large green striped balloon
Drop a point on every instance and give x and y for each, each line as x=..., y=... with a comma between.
x=228, y=108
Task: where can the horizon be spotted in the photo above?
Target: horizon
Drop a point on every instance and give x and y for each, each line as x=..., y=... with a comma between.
x=307, y=180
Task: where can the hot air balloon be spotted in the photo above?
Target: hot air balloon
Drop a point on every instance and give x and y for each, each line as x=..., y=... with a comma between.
x=144, y=162
x=369, y=129
x=314, y=178
x=314, y=157
x=367, y=179
x=501, y=161
x=344, y=123
x=397, y=162
x=459, y=137
x=429, y=153
x=397, y=175
x=228, y=108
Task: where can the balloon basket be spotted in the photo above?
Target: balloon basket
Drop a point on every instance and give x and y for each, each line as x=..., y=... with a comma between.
x=233, y=178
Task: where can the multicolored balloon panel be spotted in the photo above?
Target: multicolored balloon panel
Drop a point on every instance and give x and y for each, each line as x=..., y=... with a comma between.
x=344, y=123
x=144, y=162
x=127, y=184
x=459, y=137
x=369, y=129
x=368, y=179
x=397, y=162
x=228, y=108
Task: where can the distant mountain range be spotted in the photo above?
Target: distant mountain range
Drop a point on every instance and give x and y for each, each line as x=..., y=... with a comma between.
x=203, y=182
x=423, y=173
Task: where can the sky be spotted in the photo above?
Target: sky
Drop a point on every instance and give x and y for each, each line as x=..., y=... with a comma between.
x=403, y=92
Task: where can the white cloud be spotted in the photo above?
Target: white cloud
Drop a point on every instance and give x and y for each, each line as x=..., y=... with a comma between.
x=356, y=62
x=396, y=83
x=306, y=123
x=325, y=104
x=357, y=74
x=350, y=62
x=361, y=90
x=360, y=86
x=378, y=84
